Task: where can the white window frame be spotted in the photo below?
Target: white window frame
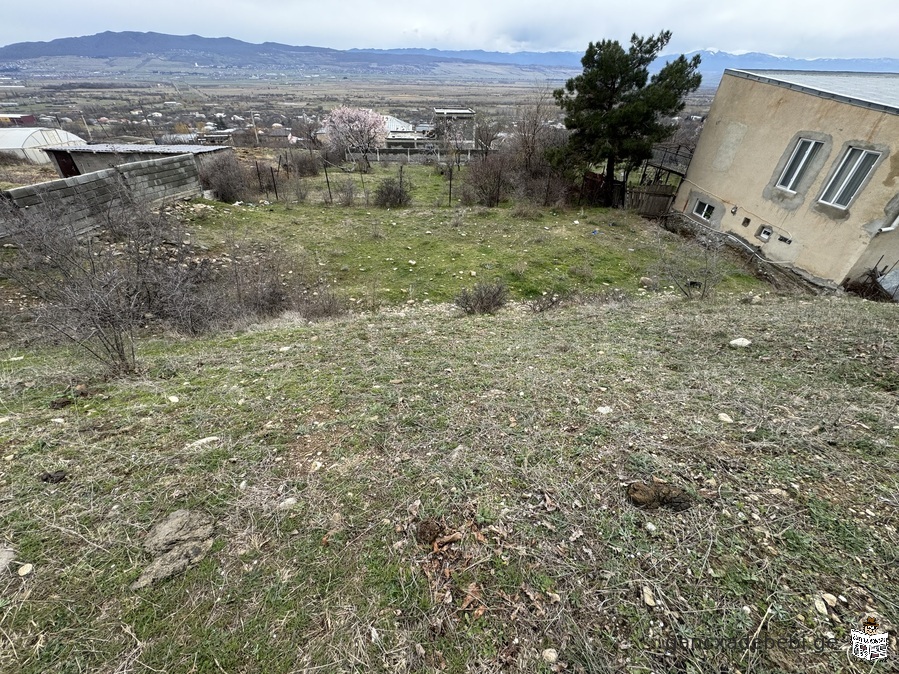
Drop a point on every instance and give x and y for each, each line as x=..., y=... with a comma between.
x=837, y=189
x=704, y=210
x=804, y=154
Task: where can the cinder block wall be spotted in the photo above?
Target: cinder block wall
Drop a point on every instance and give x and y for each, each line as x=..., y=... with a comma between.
x=85, y=199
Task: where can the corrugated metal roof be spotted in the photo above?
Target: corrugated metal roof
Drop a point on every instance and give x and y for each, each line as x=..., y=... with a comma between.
x=394, y=124
x=35, y=136
x=873, y=90
x=126, y=148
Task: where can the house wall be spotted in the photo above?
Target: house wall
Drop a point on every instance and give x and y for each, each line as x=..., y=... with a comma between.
x=747, y=140
x=85, y=199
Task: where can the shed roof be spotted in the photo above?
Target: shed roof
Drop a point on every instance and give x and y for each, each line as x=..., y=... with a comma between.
x=133, y=148
x=879, y=91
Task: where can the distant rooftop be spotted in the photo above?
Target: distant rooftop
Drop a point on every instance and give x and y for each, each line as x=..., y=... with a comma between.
x=450, y=112
x=879, y=91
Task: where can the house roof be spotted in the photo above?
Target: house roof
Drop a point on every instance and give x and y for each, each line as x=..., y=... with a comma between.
x=879, y=91
x=394, y=124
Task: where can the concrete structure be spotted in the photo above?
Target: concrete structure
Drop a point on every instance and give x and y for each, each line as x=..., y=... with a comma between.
x=804, y=166
x=85, y=200
x=72, y=161
x=28, y=142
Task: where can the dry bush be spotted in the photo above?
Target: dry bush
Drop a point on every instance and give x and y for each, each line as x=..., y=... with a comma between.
x=346, y=192
x=9, y=159
x=304, y=165
x=226, y=178
x=548, y=301
x=392, y=193
x=484, y=298
x=489, y=181
x=321, y=303
x=94, y=291
x=99, y=288
x=694, y=266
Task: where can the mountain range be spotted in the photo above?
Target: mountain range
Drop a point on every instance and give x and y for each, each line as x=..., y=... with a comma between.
x=229, y=53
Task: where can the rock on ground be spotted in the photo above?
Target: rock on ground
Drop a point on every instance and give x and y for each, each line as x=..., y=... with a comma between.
x=178, y=542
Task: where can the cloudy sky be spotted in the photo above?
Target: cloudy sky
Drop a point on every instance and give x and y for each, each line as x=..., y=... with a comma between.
x=798, y=28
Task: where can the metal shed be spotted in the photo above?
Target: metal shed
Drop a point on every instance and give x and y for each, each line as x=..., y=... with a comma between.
x=27, y=142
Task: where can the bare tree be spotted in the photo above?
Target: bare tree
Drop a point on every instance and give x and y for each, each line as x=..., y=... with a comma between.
x=356, y=129
x=486, y=132
x=306, y=129
x=533, y=121
x=452, y=133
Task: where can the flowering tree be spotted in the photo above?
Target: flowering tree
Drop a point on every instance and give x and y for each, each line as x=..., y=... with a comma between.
x=355, y=129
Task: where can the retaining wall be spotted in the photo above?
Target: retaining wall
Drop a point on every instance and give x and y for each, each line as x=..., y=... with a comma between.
x=84, y=200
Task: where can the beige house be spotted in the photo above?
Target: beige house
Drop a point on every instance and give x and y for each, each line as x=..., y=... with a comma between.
x=803, y=166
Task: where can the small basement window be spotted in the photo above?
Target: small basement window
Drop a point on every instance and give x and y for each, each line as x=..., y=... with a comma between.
x=746, y=222
x=764, y=233
x=703, y=210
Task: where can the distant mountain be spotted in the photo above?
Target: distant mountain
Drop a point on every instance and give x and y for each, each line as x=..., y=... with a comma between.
x=715, y=62
x=226, y=52
x=713, y=65
x=564, y=59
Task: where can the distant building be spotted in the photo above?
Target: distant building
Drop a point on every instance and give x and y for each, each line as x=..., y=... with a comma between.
x=7, y=119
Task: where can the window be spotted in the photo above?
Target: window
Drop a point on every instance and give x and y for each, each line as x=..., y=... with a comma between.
x=850, y=176
x=704, y=210
x=799, y=162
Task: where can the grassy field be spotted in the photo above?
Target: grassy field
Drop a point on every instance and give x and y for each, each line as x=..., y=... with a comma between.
x=430, y=251
x=319, y=448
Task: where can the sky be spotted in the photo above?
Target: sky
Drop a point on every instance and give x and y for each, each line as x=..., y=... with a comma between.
x=797, y=28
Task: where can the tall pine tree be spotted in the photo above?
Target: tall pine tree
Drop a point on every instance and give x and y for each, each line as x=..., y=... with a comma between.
x=614, y=110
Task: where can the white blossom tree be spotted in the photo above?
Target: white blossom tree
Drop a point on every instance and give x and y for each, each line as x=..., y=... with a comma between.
x=356, y=129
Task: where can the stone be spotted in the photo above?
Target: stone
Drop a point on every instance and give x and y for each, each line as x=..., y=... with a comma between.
x=740, y=343
x=7, y=557
x=550, y=656
x=182, y=526
x=178, y=542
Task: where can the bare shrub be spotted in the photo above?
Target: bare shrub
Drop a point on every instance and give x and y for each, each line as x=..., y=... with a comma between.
x=547, y=301
x=346, y=192
x=226, y=178
x=489, y=181
x=9, y=159
x=300, y=190
x=392, y=193
x=92, y=292
x=484, y=298
x=524, y=210
x=321, y=303
x=304, y=165
x=694, y=264
x=98, y=289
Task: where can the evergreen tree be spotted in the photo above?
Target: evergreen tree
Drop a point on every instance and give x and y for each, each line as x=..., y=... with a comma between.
x=614, y=109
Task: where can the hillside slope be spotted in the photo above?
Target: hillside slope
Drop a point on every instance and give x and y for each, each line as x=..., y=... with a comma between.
x=319, y=450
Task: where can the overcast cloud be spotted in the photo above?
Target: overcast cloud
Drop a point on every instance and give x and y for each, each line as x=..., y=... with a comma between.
x=798, y=28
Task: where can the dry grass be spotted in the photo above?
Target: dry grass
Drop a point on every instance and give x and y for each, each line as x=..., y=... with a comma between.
x=516, y=431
